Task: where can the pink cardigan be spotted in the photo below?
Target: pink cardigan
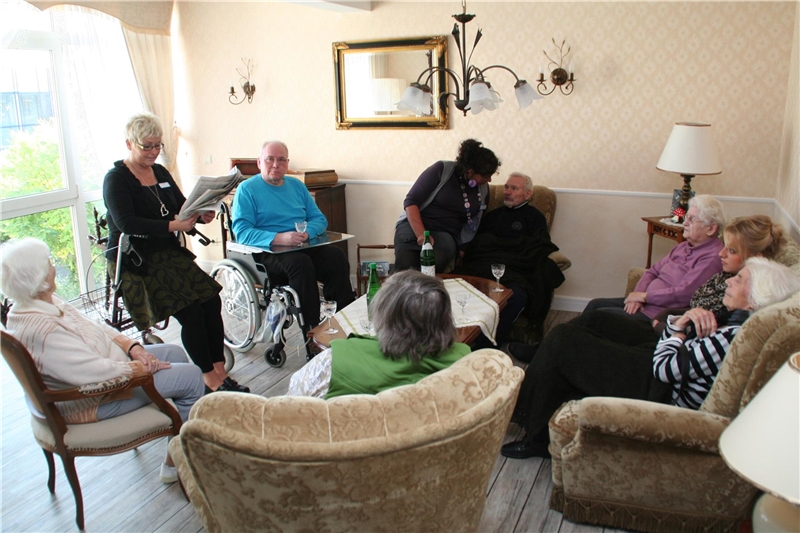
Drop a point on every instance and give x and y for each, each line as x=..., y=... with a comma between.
x=671, y=282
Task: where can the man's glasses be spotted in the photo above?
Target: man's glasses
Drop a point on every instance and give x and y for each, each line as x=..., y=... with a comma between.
x=149, y=147
x=272, y=160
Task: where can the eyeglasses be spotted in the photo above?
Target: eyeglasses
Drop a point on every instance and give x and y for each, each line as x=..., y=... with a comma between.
x=149, y=147
x=271, y=160
x=691, y=219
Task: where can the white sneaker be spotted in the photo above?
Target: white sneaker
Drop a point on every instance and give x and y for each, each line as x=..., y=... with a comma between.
x=169, y=474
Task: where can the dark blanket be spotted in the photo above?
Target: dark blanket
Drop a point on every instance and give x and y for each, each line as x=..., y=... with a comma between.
x=527, y=263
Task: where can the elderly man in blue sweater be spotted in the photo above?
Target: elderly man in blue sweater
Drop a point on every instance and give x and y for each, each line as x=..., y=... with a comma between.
x=264, y=213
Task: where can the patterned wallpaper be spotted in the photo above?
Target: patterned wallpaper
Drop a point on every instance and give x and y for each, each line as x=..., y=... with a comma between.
x=640, y=67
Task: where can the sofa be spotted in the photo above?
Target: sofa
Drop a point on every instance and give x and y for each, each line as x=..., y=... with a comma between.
x=651, y=467
x=412, y=458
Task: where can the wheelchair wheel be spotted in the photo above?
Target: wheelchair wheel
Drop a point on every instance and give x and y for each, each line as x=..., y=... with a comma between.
x=229, y=358
x=241, y=314
x=275, y=356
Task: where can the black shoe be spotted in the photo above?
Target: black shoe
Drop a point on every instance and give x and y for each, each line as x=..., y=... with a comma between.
x=209, y=390
x=231, y=385
x=523, y=352
x=524, y=448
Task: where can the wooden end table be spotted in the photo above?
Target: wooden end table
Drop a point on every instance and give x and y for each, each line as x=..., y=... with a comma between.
x=668, y=231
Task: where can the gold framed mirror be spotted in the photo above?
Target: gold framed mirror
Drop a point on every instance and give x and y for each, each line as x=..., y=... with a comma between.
x=371, y=76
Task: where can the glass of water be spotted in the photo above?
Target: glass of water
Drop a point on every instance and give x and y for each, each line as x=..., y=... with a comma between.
x=328, y=310
x=301, y=226
x=498, y=269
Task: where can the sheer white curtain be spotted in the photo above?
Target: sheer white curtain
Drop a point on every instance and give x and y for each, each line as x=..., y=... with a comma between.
x=103, y=93
x=151, y=57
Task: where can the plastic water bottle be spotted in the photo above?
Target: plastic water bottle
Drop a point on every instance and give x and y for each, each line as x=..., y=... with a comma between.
x=373, y=285
x=427, y=259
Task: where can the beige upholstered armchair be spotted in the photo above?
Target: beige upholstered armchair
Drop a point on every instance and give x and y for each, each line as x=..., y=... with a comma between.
x=544, y=199
x=412, y=458
x=650, y=467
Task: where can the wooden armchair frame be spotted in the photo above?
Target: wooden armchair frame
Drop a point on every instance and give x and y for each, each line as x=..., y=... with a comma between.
x=43, y=400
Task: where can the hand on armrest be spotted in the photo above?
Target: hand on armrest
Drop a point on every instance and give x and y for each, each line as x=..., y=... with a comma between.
x=652, y=422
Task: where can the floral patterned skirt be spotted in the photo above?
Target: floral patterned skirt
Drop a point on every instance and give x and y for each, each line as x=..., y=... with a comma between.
x=171, y=282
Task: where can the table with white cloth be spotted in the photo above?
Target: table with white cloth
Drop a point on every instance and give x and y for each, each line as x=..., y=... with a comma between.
x=481, y=315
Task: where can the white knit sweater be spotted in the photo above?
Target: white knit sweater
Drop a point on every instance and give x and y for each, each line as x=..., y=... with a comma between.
x=70, y=350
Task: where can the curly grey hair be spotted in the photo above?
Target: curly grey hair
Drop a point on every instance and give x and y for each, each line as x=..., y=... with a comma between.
x=413, y=317
x=142, y=126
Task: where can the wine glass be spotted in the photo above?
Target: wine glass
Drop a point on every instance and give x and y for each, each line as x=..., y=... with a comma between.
x=301, y=226
x=463, y=298
x=329, y=309
x=498, y=269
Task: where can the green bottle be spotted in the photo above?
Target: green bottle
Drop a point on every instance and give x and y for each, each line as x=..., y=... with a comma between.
x=427, y=259
x=373, y=285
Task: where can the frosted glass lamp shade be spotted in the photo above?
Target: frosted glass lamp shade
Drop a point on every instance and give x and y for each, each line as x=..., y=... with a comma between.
x=479, y=96
x=690, y=151
x=525, y=94
x=417, y=98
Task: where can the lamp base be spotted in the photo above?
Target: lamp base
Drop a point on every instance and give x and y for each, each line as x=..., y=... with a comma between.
x=686, y=192
x=772, y=514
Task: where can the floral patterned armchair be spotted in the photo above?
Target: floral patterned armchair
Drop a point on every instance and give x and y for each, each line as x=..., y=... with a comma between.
x=412, y=458
x=651, y=467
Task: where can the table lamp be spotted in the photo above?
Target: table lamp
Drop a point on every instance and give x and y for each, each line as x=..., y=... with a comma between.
x=690, y=152
x=762, y=445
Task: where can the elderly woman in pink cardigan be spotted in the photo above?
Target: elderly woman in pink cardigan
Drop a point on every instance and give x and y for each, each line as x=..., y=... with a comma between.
x=71, y=350
x=670, y=283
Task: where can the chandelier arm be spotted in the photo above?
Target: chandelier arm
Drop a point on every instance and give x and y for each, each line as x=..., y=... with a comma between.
x=432, y=70
x=568, y=86
x=502, y=67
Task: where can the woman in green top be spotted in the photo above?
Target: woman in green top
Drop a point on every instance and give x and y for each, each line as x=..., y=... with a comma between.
x=414, y=337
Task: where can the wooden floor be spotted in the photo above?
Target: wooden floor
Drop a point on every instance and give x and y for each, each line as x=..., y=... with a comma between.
x=123, y=492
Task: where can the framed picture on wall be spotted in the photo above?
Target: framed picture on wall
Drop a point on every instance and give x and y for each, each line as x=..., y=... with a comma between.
x=676, y=198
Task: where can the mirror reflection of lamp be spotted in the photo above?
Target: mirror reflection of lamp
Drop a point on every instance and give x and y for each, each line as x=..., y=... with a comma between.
x=762, y=445
x=690, y=152
x=385, y=93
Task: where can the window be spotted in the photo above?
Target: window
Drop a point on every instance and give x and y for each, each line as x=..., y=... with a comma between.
x=66, y=88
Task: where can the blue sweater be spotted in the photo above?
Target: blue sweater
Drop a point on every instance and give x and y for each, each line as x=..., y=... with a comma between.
x=261, y=211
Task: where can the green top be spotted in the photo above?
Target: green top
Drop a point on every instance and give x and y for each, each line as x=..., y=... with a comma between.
x=359, y=367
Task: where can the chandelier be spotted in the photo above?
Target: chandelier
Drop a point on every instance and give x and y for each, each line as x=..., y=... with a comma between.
x=473, y=91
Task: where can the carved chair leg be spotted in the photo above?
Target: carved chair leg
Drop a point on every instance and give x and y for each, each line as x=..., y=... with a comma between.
x=72, y=476
x=51, y=466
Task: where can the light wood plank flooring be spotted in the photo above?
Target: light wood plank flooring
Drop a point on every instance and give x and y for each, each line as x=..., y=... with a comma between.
x=123, y=492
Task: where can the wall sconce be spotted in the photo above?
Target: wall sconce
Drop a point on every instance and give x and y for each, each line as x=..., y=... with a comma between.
x=248, y=88
x=558, y=75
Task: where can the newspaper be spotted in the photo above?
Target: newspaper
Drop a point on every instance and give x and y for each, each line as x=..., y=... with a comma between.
x=209, y=192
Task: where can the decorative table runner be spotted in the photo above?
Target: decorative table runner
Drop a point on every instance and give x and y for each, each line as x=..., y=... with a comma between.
x=480, y=311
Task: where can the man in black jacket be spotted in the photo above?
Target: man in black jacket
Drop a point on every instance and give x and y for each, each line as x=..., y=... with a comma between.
x=515, y=235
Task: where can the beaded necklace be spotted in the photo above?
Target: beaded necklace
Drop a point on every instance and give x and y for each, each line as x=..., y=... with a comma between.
x=470, y=223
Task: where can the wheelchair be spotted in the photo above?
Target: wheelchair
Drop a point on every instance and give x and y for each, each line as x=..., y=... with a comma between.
x=105, y=301
x=254, y=310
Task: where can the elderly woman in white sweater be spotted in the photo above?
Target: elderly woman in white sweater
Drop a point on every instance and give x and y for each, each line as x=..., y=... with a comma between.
x=72, y=350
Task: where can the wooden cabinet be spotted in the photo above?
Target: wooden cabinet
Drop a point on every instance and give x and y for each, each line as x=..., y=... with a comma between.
x=330, y=200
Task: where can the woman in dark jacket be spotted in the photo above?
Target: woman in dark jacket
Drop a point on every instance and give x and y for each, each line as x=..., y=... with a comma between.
x=143, y=202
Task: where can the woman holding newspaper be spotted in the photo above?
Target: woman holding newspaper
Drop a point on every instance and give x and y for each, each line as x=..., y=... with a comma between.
x=159, y=277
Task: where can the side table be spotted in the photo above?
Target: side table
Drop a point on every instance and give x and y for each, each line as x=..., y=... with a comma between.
x=668, y=231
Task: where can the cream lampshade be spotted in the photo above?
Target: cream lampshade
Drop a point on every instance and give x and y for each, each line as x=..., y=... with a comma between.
x=690, y=152
x=762, y=445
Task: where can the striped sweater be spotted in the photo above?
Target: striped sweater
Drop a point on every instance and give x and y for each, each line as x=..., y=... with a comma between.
x=70, y=350
x=705, y=356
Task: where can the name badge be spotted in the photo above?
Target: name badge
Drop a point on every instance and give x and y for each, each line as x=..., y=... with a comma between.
x=164, y=184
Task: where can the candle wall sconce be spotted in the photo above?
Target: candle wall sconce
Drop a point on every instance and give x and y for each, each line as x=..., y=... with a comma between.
x=248, y=88
x=559, y=76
